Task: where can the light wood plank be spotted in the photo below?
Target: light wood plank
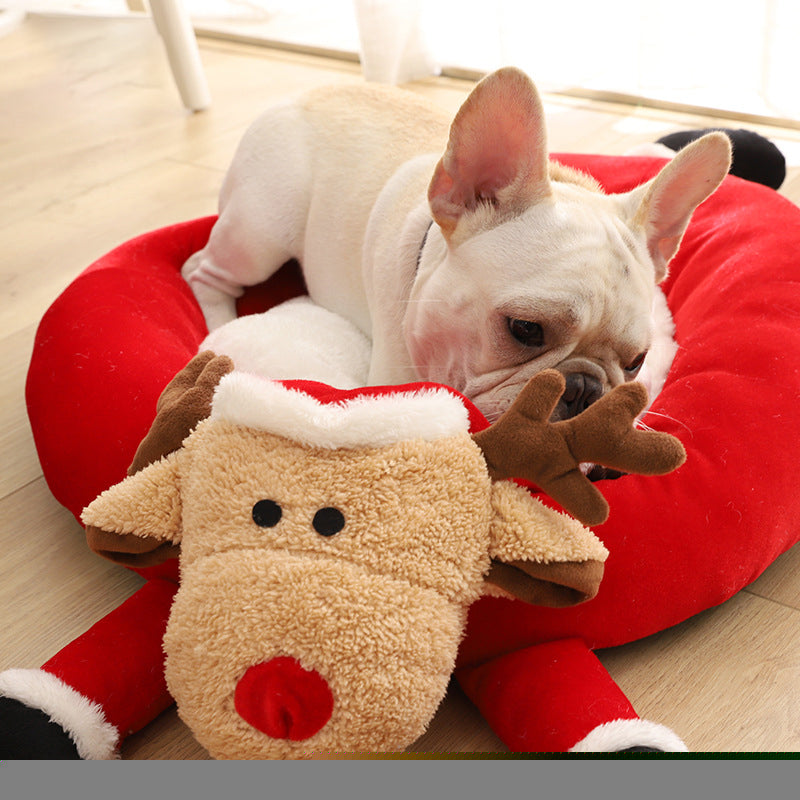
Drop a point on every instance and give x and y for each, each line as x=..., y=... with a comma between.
x=780, y=581
x=726, y=679
x=53, y=587
x=20, y=462
x=95, y=148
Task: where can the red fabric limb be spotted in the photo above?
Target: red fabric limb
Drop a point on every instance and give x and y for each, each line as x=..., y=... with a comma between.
x=545, y=698
x=118, y=663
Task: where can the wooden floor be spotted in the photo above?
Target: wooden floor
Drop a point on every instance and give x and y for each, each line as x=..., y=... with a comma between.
x=95, y=148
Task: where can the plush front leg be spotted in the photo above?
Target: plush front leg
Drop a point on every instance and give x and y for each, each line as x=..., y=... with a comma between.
x=558, y=697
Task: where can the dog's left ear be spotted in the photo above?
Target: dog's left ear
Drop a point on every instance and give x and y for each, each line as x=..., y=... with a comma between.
x=496, y=154
x=664, y=205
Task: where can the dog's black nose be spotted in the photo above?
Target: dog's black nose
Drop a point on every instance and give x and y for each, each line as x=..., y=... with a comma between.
x=581, y=391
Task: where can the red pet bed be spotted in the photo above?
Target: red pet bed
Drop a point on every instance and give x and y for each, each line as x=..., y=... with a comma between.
x=679, y=544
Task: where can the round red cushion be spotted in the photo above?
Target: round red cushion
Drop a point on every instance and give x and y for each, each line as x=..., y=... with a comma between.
x=679, y=543
x=106, y=348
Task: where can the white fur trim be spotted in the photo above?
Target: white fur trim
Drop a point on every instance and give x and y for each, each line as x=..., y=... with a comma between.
x=611, y=737
x=364, y=421
x=82, y=719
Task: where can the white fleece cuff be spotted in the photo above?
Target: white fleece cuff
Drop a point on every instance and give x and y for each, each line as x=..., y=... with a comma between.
x=611, y=737
x=83, y=720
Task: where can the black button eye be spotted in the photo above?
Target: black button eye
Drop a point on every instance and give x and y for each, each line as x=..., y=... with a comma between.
x=267, y=513
x=531, y=334
x=328, y=521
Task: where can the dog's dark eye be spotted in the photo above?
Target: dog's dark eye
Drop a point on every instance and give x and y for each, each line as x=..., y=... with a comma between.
x=636, y=364
x=525, y=332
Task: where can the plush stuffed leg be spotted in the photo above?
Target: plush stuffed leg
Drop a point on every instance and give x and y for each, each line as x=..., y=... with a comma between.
x=103, y=686
x=557, y=697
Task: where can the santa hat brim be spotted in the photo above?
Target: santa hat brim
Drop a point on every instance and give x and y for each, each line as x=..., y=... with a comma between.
x=342, y=418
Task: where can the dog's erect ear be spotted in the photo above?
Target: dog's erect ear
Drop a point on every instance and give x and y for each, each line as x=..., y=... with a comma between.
x=496, y=153
x=664, y=205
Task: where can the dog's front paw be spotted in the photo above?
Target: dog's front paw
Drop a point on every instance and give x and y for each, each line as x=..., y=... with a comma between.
x=597, y=472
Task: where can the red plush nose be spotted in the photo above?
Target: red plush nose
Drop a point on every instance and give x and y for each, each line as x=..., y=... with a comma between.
x=283, y=699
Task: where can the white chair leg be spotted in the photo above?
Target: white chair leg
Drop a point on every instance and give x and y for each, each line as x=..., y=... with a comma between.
x=175, y=28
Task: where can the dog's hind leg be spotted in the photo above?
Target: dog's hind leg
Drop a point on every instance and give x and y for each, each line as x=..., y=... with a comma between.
x=231, y=260
x=263, y=208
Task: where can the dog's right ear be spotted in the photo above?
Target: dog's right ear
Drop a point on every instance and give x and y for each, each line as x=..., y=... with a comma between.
x=496, y=155
x=663, y=207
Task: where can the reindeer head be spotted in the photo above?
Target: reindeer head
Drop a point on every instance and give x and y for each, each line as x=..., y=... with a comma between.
x=330, y=550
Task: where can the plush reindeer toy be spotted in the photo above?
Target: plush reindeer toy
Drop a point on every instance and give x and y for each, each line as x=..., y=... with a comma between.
x=330, y=548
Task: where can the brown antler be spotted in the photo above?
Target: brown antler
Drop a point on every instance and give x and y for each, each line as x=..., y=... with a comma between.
x=524, y=444
x=185, y=401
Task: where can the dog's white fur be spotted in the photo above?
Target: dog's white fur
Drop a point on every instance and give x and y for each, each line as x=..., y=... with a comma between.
x=433, y=255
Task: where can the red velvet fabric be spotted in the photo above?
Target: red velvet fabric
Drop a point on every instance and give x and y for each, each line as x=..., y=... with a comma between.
x=106, y=348
x=118, y=663
x=679, y=544
x=573, y=694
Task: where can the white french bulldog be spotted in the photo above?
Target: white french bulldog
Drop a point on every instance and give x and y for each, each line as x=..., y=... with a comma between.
x=476, y=268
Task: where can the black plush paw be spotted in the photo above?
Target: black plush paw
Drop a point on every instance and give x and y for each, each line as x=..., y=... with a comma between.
x=754, y=158
x=28, y=733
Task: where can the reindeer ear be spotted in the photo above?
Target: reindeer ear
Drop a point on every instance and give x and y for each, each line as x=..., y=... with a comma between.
x=496, y=154
x=146, y=505
x=557, y=584
x=539, y=555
